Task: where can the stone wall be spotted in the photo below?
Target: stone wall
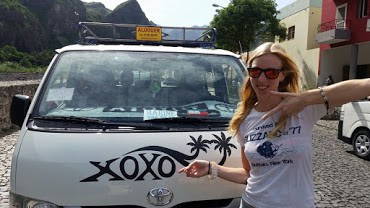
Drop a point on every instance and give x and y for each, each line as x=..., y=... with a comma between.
x=7, y=91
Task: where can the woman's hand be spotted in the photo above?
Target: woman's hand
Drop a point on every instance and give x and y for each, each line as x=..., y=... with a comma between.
x=291, y=104
x=196, y=169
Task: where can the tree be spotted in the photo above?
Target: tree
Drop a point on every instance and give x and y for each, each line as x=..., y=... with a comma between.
x=245, y=23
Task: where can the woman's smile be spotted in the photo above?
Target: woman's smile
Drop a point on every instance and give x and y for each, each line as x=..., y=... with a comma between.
x=262, y=87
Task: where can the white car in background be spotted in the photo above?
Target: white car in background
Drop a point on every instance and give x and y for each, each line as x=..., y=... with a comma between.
x=354, y=127
x=114, y=119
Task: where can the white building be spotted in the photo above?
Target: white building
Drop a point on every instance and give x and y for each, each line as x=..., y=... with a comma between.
x=301, y=19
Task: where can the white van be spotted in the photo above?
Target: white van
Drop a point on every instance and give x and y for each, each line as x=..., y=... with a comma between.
x=113, y=121
x=354, y=127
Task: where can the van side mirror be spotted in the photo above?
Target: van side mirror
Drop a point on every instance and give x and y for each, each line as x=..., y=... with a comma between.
x=19, y=108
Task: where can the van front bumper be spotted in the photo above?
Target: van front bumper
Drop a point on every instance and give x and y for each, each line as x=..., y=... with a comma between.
x=18, y=201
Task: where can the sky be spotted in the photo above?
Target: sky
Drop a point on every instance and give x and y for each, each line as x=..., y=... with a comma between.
x=177, y=13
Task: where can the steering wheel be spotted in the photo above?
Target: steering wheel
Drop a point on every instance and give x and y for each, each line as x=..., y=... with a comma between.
x=212, y=97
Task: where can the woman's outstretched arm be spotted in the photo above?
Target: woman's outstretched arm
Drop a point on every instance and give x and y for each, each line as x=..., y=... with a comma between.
x=335, y=95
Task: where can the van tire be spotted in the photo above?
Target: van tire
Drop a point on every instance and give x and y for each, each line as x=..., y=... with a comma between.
x=361, y=144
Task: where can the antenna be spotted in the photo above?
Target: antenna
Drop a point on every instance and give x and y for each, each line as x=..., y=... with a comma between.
x=240, y=47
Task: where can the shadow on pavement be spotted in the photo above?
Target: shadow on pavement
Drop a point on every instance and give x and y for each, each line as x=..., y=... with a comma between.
x=9, y=131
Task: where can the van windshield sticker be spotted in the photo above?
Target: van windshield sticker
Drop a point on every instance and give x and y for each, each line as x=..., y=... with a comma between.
x=154, y=114
x=60, y=94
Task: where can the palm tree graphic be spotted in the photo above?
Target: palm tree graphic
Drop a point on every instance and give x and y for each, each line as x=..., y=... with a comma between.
x=222, y=144
x=198, y=144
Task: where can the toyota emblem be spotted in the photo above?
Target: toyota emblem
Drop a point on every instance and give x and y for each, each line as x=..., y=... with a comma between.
x=159, y=196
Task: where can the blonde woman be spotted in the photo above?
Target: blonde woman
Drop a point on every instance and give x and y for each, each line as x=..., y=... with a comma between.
x=273, y=125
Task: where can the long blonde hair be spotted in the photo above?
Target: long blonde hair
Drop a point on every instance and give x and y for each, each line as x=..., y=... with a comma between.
x=249, y=97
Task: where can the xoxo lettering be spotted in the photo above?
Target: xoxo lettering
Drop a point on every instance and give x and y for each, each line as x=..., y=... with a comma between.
x=140, y=170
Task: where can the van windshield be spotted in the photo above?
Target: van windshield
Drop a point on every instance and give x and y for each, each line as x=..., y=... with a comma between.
x=128, y=86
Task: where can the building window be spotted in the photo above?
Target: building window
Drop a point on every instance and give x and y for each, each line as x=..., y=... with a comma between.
x=362, y=8
x=291, y=31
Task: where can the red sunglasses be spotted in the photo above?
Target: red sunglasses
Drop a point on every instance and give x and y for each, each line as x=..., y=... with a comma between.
x=270, y=73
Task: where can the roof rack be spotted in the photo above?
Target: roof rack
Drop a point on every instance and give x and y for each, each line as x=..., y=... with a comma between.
x=131, y=34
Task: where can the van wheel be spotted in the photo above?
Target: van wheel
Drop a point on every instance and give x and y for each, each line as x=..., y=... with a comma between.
x=361, y=144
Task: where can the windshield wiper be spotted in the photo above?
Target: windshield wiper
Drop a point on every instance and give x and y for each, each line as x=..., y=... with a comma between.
x=194, y=121
x=73, y=119
x=101, y=123
x=186, y=119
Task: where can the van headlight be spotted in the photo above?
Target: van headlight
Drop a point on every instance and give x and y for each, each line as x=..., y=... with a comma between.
x=25, y=202
x=38, y=204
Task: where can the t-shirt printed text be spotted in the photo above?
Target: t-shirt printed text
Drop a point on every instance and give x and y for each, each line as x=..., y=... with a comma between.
x=262, y=135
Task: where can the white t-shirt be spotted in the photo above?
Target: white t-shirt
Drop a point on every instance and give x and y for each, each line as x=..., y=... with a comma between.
x=281, y=167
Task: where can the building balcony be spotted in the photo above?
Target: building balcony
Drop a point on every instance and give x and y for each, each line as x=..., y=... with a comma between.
x=335, y=31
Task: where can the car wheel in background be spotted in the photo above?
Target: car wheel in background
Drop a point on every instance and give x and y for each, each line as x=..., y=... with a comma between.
x=361, y=144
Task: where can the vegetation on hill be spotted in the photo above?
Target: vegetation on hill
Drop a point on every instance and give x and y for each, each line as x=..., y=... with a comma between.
x=10, y=54
x=12, y=60
x=96, y=12
x=30, y=30
x=38, y=25
x=12, y=67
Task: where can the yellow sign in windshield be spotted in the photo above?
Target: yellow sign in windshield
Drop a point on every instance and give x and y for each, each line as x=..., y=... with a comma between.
x=148, y=33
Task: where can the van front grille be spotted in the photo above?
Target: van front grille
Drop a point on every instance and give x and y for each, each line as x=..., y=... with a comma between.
x=194, y=204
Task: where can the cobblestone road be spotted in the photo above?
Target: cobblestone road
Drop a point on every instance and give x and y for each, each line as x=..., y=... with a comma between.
x=7, y=143
x=341, y=179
